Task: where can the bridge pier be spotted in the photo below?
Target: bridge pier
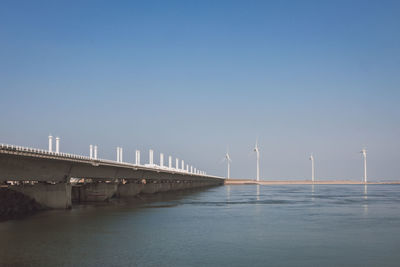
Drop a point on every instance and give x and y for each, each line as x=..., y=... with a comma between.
x=61, y=195
x=129, y=189
x=54, y=196
x=154, y=186
x=151, y=188
x=94, y=192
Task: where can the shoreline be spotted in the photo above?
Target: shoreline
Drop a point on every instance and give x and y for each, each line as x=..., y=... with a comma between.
x=304, y=182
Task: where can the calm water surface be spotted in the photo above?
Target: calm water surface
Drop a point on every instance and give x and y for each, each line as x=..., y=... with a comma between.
x=290, y=225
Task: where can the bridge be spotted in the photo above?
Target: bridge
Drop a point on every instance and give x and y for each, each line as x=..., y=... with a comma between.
x=56, y=179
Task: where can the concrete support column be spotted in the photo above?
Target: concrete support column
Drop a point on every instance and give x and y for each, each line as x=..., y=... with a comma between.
x=151, y=188
x=118, y=154
x=177, y=163
x=94, y=192
x=54, y=196
x=183, y=165
x=90, y=151
x=170, y=162
x=95, y=152
x=129, y=189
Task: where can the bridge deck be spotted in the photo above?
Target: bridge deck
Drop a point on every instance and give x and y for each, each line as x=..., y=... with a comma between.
x=23, y=163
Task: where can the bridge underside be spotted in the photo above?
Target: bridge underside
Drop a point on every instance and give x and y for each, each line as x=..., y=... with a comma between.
x=50, y=178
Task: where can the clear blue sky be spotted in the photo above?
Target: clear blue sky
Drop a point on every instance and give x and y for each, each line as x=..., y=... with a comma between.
x=189, y=78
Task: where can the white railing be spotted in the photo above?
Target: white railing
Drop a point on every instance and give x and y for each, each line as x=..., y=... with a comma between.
x=41, y=151
x=80, y=157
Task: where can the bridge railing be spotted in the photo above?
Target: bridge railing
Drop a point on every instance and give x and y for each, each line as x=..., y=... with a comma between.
x=40, y=151
x=80, y=157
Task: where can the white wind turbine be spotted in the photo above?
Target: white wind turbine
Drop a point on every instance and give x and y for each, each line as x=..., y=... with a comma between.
x=364, y=155
x=312, y=167
x=257, y=150
x=228, y=161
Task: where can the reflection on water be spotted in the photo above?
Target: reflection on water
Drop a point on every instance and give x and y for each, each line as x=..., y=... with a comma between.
x=258, y=192
x=312, y=192
x=365, y=205
x=233, y=225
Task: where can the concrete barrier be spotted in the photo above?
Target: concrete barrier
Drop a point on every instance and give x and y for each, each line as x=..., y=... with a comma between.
x=54, y=196
x=164, y=187
x=129, y=190
x=151, y=188
x=94, y=192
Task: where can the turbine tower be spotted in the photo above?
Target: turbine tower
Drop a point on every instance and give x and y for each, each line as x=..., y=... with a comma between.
x=312, y=168
x=257, y=150
x=364, y=155
x=228, y=161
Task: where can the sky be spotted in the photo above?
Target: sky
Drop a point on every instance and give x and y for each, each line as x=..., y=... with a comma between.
x=192, y=79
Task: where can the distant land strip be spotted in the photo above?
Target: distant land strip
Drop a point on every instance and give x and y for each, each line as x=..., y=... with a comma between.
x=300, y=182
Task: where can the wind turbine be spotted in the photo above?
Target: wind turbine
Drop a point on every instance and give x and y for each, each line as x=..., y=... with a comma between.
x=228, y=161
x=364, y=155
x=312, y=168
x=257, y=150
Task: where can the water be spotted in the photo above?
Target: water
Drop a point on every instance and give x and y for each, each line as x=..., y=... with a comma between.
x=247, y=225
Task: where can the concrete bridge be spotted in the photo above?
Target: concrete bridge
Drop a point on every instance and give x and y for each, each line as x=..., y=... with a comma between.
x=56, y=179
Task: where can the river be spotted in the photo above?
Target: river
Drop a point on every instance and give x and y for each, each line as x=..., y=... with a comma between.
x=238, y=225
